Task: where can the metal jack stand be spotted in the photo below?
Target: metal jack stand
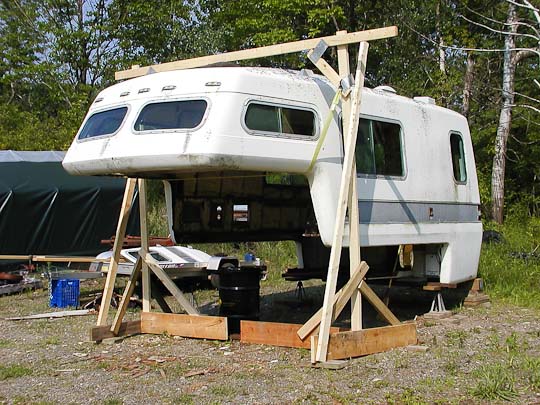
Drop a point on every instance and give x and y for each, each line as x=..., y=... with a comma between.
x=300, y=292
x=438, y=310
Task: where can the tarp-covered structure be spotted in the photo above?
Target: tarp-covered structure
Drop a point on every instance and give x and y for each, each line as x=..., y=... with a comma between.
x=45, y=210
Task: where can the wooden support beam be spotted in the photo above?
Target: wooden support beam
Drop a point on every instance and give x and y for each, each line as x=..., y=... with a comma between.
x=126, y=296
x=66, y=259
x=119, y=239
x=345, y=345
x=145, y=281
x=98, y=333
x=200, y=327
x=328, y=71
x=354, y=216
x=340, y=300
x=262, y=52
x=169, y=284
x=16, y=257
x=381, y=308
x=337, y=241
x=274, y=333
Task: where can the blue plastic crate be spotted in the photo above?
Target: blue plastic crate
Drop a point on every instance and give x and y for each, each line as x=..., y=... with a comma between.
x=64, y=293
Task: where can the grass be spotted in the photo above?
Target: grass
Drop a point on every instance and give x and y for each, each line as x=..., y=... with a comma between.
x=13, y=371
x=511, y=269
x=495, y=382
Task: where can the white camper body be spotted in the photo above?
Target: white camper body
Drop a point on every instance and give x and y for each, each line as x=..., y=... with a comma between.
x=215, y=133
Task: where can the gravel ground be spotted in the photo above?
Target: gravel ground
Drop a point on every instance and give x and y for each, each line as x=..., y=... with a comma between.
x=481, y=355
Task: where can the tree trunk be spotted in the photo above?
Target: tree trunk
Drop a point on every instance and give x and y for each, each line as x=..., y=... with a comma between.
x=467, y=86
x=505, y=118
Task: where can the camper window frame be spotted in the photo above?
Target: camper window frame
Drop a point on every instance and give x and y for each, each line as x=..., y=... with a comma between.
x=456, y=132
x=256, y=132
x=172, y=130
x=402, y=147
x=100, y=110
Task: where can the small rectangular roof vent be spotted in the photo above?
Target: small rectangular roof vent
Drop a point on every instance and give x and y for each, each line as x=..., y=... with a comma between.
x=425, y=100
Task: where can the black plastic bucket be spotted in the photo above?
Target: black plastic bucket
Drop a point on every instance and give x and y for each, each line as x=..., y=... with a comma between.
x=239, y=295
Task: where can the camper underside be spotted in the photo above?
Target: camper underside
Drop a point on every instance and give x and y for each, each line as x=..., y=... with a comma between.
x=236, y=206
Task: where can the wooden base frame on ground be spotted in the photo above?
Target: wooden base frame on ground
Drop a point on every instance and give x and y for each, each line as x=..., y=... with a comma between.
x=326, y=342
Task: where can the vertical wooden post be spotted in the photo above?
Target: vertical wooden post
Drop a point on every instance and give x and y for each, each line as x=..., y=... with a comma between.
x=346, y=175
x=118, y=242
x=354, y=219
x=145, y=279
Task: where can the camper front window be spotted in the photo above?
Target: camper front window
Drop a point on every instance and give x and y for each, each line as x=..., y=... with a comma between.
x=185, y=114
x=280, y=119
x=103, y=123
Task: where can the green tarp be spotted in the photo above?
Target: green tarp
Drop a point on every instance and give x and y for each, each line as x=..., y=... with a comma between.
x=45, y=210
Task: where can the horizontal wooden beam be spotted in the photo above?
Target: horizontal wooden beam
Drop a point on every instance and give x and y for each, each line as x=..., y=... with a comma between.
x=98, y=333
x=200, y=327
x=345, y=345
x=15, y=257
x=262, y=52
x=274, y=333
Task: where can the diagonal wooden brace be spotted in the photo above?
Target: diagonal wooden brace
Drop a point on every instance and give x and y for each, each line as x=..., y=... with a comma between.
x=118, y=241
x=340, y=300
x=168, y=283
x=128, y=292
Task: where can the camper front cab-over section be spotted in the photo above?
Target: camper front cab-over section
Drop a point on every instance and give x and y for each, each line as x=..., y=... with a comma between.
x=235, y=147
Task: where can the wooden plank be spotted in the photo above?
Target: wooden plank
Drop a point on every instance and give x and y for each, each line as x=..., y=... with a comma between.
x=340, y=300
x=50, y=315
x=337, y=241
x=19, y=287
x=126, y=296
x=98, y=333
x=328, y=71
x=66, y=259
x=345, y=345
x=261, y=52
x=381, y=308
x=200, y=327
x=119, y=239
x=146, y=290
x=354, y=217
x=274, y=333
x=169, y=284
x=15, y=257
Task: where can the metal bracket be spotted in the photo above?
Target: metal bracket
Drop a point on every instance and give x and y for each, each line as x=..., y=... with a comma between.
x=317, y=52
x=347, y=83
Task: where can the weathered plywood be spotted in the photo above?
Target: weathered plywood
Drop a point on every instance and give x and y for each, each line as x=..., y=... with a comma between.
x=262, y=52
x=344, y=345
x=274, y=333
x=98, y=333
x=201, y=327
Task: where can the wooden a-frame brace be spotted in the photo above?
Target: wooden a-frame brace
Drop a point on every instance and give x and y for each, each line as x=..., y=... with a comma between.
x=324, y=344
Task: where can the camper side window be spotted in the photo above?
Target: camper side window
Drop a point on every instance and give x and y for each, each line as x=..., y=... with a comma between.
x=378, y=148
x=103, y=123
x=280, y=119
x=458, y=157
x=185, y=114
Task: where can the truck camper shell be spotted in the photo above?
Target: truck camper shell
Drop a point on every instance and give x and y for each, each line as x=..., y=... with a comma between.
x=238, y=148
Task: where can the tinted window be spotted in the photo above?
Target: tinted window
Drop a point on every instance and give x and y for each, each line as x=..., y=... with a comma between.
x=186, y=114
x=378, y=148
x=285, y=120
x=103, y=123
x=458, y=158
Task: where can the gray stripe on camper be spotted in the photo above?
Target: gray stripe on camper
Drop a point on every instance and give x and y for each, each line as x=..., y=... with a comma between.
x=399, y=212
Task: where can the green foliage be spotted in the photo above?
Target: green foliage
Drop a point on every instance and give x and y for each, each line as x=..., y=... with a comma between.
x=495, y=382
x=511, y=270
x=13, y=371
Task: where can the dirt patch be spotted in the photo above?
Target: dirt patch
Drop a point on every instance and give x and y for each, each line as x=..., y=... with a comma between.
x=476, y=356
